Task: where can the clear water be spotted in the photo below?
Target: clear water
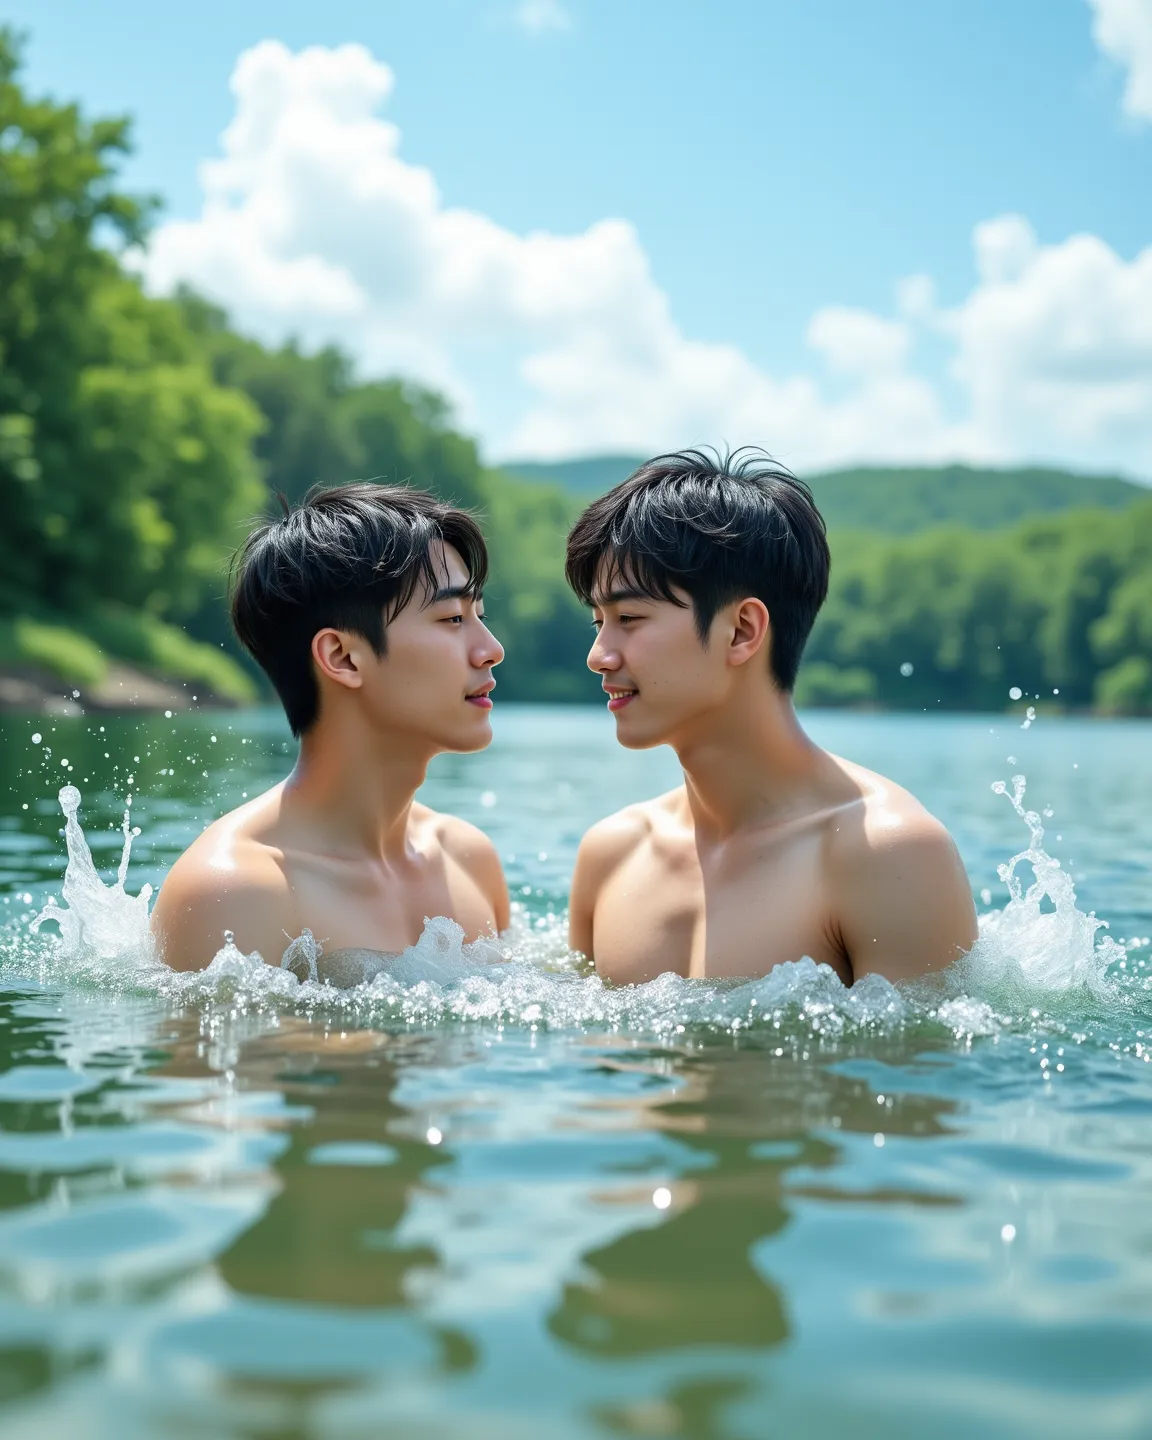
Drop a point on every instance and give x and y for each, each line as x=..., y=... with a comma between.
x=521, y=1204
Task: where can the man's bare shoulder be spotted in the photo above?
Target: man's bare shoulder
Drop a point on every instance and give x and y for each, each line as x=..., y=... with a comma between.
x=459, y=838
x=606, y=846
x=885, y=820
x=467, y=846
x=904, y=899
x=617, y=836
x=230, y=878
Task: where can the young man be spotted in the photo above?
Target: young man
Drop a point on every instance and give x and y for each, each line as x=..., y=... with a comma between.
x=704, y=577
x=363, y=605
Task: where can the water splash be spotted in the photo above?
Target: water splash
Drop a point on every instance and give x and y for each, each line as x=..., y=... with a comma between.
x=99, y=924
x=1041, y=941
x=1039, y=946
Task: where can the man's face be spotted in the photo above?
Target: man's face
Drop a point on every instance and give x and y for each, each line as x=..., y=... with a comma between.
x=433, y=682
x=659, y=678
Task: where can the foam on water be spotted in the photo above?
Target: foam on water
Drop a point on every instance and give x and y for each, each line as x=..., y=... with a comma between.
x=1038, y=956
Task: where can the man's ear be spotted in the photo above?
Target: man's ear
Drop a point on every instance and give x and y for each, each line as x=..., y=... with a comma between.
x=338, y=657
x=751, y=630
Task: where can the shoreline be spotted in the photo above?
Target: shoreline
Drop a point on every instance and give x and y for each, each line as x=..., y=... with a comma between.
x=29, y=690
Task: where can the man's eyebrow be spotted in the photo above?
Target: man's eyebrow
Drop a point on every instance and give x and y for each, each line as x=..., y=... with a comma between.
x=455, y=592
x=618, y=597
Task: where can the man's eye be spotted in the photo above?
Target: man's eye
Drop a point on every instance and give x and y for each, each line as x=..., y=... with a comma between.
x=454, y=619
x=628, y=619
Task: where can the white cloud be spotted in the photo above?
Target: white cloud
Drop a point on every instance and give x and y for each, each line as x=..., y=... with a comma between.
x=856, y=342
x=1055, y=348
x=313, y=224
x=1005, y=247
x=1123, y=30
x=540, y=16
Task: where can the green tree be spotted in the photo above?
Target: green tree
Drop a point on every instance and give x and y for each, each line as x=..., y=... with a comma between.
x=124, y=467
x=324, y=426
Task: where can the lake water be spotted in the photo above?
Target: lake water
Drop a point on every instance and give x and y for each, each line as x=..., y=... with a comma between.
x=529, y=1206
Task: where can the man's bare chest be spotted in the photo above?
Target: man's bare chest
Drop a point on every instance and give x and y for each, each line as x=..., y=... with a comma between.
x=361, y=909
x=735, y=916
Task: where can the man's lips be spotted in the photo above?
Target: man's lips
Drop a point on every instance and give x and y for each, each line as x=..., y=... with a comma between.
x=619, y=696
x=479, y=696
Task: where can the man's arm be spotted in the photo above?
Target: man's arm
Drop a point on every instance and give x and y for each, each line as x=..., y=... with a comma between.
x=601, y=850
x=198, y=902
x=903, y=898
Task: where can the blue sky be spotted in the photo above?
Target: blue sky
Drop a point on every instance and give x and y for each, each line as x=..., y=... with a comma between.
x=776, y=162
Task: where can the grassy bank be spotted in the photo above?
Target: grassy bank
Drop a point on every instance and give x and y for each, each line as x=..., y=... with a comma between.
x=102, y=654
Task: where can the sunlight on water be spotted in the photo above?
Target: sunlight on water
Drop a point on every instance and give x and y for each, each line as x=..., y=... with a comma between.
x=1039, y=951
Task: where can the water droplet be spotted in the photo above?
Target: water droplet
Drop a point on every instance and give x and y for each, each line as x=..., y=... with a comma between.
x=1015, y=693
x=167, y=714
x=433, y=1136
x=878, y=1141
x=1008, y=1234
x=907, y=668
x=662, y=1197
x=488, y=799
x=36, y=739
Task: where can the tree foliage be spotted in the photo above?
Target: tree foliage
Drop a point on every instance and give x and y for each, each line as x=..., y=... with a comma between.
x=124, y=467
x=1059, y=608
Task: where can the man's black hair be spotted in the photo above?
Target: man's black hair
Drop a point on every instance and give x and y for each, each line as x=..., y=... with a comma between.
x=350, y=557
x=718, y=528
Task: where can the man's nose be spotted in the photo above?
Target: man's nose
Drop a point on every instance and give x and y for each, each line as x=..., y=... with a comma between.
x=602, y=658
x=489, y=651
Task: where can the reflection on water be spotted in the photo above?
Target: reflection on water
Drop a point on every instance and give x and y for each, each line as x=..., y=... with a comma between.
x=556, y=1213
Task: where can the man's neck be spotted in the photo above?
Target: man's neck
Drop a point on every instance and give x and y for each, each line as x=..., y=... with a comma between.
x=749, y=764
x=351, y=791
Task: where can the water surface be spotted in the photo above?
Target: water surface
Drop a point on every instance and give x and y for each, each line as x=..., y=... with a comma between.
x=536, y=1207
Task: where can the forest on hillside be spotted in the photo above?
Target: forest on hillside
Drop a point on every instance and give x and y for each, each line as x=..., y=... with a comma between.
x=891, y=499
x=140, y=436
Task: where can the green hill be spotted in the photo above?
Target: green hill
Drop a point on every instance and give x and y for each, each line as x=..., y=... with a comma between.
x=897, y=501
x=586, y=478
x=903, y=502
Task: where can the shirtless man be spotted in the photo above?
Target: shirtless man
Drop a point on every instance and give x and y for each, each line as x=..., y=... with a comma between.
x=704, y=577
x=363, y=605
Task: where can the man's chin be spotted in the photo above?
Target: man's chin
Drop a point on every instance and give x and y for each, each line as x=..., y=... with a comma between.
x=637, y=737
x=477, y=737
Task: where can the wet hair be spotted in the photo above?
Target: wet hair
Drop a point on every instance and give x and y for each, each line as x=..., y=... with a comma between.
x=350, y=557
x=718, y=528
